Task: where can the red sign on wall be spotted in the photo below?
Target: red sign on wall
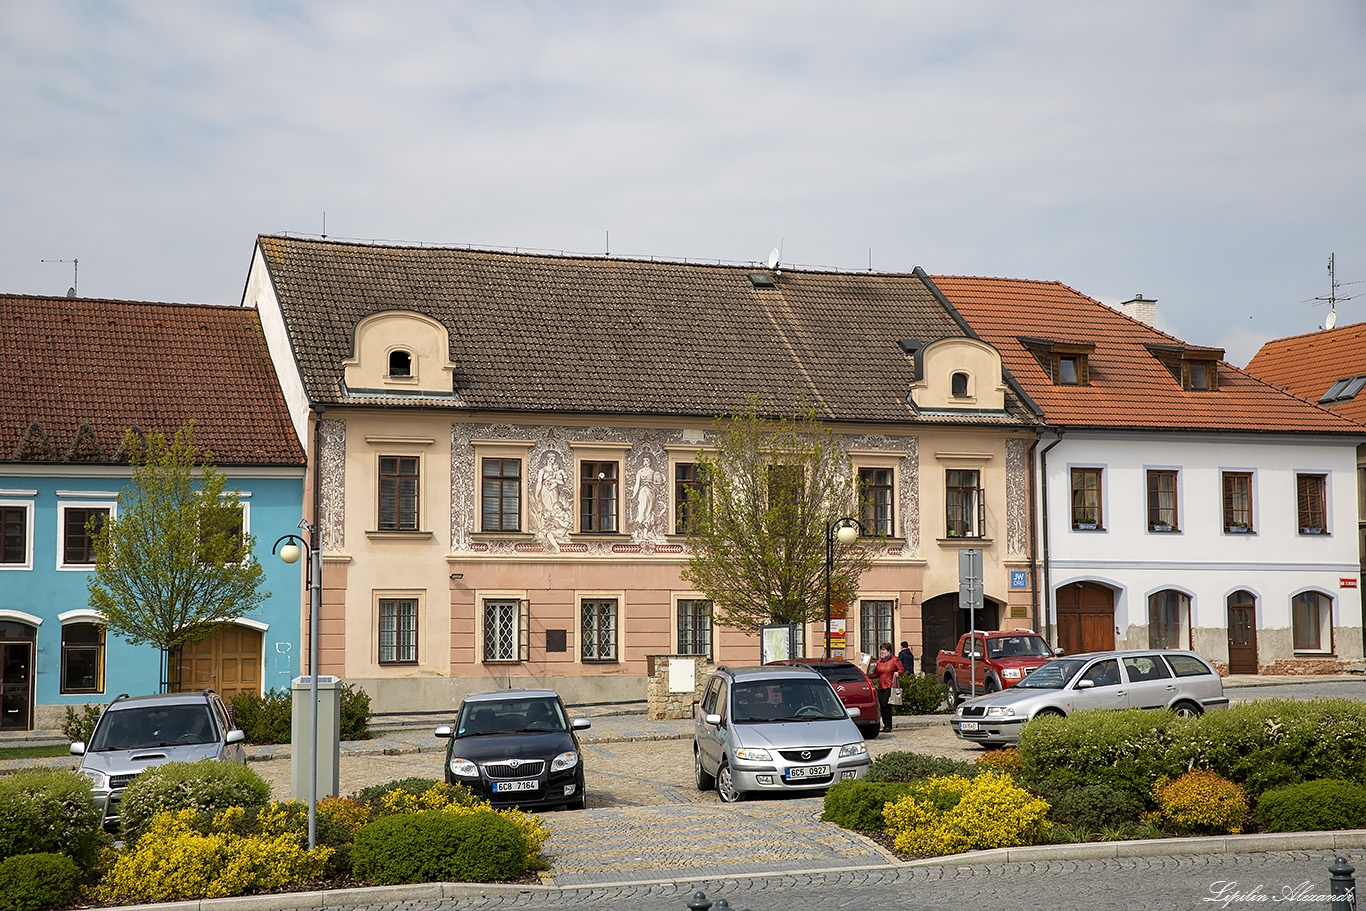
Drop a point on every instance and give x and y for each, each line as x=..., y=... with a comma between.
x=1347, y=583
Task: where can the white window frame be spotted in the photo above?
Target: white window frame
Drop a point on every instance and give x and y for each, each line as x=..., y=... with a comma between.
x=888, y=461
x=111, y=504
x=1179, y=493
x=420, y=624
x=501, y=449
x=600, y=452
x=1327, y=501
x=27, y=506
x=674, y=621
x=1104, y=524
x=896, y=611
x=521, y=633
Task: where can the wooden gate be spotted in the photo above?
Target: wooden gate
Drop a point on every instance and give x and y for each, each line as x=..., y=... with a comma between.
x=228, y=661
x=1086, y=618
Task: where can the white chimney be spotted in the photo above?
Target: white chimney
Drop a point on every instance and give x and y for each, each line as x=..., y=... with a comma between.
x=1145, y=311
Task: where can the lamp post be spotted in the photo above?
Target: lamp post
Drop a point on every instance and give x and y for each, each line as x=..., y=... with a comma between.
x=290, y=553
x=847, y=530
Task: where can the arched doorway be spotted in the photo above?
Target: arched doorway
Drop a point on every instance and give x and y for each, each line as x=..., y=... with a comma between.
x=229, y=662
x=1086, y=617
x=942, y=622
x=16, y=675
x=1242, y=633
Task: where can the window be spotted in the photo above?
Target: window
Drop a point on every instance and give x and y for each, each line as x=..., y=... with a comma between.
x=398, y=493
x=694, y=626
x=963, y=497
x=82, y=658
x=1103, y=673
x=1086, y=498
x=1201, y=374
x=599, y=629
x=1238, y=501
x=958, y=384
x=400, y=363
x=1162, y=501
x=14, y=534
x=1311, y=503
x=786, y=498
x=1344, y=390
x=1310, y=616
x=221, y=531
x=690, y=480
x=1065, y=363
x=1169, y=620
x=1194, y=369
x=398, y=631
x=507, y=634
x=502, y=495
x=598, y=497
x=874, y=625
x=79, y=527
x=1069, y=370
x=875, y=500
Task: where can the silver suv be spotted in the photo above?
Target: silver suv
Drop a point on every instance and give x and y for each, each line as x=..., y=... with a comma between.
x=137, y=733
x=773, y=728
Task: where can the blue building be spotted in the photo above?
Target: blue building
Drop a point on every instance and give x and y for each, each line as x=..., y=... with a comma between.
x=79, y=374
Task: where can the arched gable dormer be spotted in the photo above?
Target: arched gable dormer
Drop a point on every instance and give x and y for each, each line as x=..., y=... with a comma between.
x=959, y=373
x=399, y=351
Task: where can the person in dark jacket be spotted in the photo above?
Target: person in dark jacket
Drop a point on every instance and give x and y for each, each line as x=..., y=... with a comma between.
x=906, y=658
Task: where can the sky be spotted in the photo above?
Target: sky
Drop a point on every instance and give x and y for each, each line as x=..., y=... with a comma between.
x=1210, y=154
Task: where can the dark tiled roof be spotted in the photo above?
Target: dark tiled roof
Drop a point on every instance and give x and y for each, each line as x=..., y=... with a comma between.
x=1128, y=386
x=1308, y=364
x=120, y=364
x=561, y=334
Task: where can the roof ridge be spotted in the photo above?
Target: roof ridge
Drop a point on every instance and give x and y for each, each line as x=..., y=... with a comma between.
x=62, y=298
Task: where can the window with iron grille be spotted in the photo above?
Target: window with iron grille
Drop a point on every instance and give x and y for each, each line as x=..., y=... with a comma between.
x=398, y=477
x=502, y=495
x=599, y=617
x=1238, y=499
x=1311, y=503
x=507, y=634
x=691, y=490
x=875, y=500
x=78, y=533
x=14, y=525
x=1086, y=498
x=398, y=631
x=874, y=625
x=694, y=626
x=82, y=658
x=963, y=497
x=1162, y=501
x=598, y=496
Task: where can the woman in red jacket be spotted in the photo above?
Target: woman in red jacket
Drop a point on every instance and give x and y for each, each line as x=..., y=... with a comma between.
x=886, y=671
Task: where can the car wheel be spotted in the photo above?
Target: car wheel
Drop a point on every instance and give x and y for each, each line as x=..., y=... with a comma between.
x=1050, y=713
x=991, y=686
x=954, y=698
x=1187, y=710
x=870, y=732
x=725, y=785
x=705, y=781
x=580, y=803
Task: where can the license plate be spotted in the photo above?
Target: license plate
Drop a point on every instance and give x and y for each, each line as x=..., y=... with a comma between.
x=504, y=786
x=967, y=725
x=808, y=771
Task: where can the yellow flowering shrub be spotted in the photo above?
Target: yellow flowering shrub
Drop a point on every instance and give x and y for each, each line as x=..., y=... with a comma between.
x=461, y=801
x=346, y=813
x=180, y=857
x=1003, y=760
x=953, y=814
x=1201, y=801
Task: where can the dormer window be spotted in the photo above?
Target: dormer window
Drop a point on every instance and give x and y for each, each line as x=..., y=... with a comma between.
x=1200, y=375
x=1065, y=363
x=1069, y=369
x=959, y=385
x=400, y=363
x=1196, y=369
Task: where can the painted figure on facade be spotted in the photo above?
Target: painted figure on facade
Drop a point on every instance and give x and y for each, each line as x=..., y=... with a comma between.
x=647, y=480
x=552, y=504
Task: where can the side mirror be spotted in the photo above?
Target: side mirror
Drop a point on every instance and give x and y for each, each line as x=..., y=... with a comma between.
x=853, y=711
x=235, y=736
x=1059, y=651
x=977, y=655
x=1085, y=684
x=78, y=748
x=712, y=718
x=580, y=724
x=443, y=731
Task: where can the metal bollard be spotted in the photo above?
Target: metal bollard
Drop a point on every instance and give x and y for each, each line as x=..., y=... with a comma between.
x=699, y=902
x=1342, y=885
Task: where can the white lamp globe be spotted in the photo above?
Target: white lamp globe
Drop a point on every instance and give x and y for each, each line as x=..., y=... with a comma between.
x=290, y=553
x=847, y=534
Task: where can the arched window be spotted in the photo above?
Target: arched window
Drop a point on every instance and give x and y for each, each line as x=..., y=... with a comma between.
x=82, y=658
x=960, y=384
x=1169, y=619
x=400, y=363
x=1311, y=615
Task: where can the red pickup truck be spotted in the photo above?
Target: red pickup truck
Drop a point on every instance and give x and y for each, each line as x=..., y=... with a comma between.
x=1003, y=659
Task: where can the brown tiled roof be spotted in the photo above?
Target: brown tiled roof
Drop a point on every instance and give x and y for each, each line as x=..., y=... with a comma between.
x=1128, y=386
x=590, y=335
x=113, y=365
x=1308, y=364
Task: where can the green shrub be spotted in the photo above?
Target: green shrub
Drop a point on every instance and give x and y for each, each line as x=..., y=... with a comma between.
x=355, y=713
x=947, y=815
x=268, y=718
x=901, y=765
x=373, y=796
x=857, y=804
x=921, y=694
x=1203, y=802
x=1126, y=750
x=1313, y=806
x=80, y=723
x=206, y=786
x=1094, y=807
x=44, y=810
x=433, y=846
x=32, y=881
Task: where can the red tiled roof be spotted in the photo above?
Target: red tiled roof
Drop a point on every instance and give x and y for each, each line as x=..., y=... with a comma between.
x=1308, y=364
x=1128, y=386
x=120, y=364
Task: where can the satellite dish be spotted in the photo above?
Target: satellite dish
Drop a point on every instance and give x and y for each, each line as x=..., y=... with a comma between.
x=773, y=258
x=1332, y=319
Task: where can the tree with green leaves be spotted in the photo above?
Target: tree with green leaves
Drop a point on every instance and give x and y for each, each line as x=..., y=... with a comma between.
x=759, y=514
x=174, y=560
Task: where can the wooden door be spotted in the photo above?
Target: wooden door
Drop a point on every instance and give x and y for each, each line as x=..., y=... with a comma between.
x=229, y=662
x=1086, y=618
x=1242, y=634
x=16, y=686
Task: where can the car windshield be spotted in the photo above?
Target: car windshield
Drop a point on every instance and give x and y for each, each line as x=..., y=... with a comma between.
x=840, y=673
x=153, y=726
x=1052, y=676
x=1018, y=647
x=512, y=716
x=763, y=701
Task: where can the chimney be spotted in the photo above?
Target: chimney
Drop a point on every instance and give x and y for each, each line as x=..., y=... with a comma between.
x=1145, y=311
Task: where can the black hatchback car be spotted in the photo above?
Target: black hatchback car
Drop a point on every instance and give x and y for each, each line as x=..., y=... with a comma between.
x=516, y=748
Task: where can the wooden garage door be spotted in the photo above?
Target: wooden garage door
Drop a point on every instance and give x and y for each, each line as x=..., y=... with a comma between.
x=1086, y=618
x=229, y=662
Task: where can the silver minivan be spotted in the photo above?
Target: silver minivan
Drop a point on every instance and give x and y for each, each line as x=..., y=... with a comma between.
x=773, y=728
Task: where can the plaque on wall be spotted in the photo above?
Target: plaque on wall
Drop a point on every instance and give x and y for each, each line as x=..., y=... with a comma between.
x=555, y=640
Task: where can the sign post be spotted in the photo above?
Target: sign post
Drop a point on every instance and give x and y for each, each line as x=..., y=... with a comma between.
x=970, y=600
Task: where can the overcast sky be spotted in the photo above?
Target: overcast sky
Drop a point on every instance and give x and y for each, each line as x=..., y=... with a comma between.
x=1207, y=154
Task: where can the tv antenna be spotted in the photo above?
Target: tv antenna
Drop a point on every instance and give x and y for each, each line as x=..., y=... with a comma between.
x=1333, y=296
x=75, y=273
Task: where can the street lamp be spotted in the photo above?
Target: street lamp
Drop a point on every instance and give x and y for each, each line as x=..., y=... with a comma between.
x=847, y=530
x=293, y=547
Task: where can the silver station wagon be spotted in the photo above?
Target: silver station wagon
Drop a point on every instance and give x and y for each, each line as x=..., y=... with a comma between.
x=1143, y=679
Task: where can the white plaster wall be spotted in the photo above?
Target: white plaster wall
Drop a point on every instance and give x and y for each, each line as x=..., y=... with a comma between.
x=260, y=294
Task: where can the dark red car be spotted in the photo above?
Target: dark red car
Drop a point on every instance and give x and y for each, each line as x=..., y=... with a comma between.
x=853, y=688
